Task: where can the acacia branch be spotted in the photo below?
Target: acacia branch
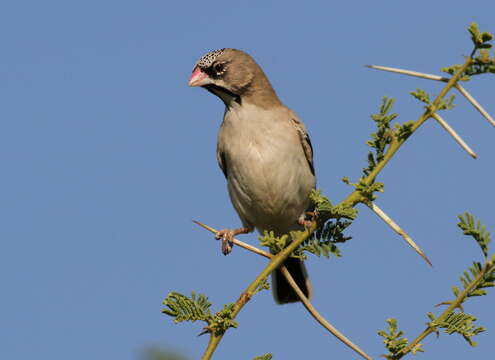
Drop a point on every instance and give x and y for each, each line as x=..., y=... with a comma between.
x=453, y=305
x=458, y=86
x=350, y=201
x=356, y=197
x=305, y=301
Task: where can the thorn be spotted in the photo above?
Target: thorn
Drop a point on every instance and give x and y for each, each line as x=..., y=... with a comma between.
x=409, y=73
x=463, y=91
x=476, y=105
x=206, y=330
x=452, y=133
x=398, y=230
x=443, y=303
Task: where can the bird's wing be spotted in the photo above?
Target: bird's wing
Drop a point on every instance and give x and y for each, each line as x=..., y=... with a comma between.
x=304, y=139
x=221, y=157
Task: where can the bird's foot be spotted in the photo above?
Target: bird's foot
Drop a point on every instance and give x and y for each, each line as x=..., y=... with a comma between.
x=313, y=214
x=227, y=237
x=303, y=222
x=307, y=218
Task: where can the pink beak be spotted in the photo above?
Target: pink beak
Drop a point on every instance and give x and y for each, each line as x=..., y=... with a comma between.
x=199, y=78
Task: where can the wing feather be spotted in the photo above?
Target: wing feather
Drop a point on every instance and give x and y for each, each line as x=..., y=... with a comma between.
x=305, y=140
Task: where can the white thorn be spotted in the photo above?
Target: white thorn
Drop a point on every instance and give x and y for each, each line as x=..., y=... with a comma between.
x=473, y=101
x=452, y=133
x=463, y=91
x=409, y=72
x=398, y=230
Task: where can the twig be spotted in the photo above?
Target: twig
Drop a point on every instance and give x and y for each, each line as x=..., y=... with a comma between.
x=453, y=305
x=459, y=88
x=398, y=230
x=452, y=133
x=356, y=197
x=237, y=242
x=307, y=304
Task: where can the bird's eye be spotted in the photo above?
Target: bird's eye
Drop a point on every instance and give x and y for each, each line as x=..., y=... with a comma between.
x=219, y=68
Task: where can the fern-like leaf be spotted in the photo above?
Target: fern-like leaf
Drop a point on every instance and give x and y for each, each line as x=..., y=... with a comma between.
x=422, y=96
x=274, y=243
x=394, y=340
x=474, y=228
x=460, y=323
x=383, y=135
x=182, y=308
x=481, y=64
x=325, y=209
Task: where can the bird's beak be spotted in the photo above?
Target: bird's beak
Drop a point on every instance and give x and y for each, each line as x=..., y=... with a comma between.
x=199, y=78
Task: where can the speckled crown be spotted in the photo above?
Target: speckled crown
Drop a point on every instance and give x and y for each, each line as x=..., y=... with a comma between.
x=208, y=59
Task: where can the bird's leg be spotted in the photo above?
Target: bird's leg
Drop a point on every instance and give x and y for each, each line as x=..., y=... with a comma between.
x=227, y=236
x=307, y=218
x=312, y=214
x=303, y=221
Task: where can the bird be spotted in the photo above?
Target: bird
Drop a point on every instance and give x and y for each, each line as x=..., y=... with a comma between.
x=265, y=153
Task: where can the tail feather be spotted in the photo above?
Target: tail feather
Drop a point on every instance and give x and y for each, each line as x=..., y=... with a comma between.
x=282, y=291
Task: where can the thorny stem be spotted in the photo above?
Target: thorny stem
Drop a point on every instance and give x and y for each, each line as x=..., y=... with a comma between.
x=353, y=199
x=305, y=301
x=458, y=86
x=453, y=305
x=276, y=261
x=356, y=197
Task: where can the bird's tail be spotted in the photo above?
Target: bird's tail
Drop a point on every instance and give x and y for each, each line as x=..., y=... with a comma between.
x=282, y=291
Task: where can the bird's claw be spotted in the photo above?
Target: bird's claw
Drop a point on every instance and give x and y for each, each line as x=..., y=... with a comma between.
x=227, y=237
x=314, y=215
x=303, y=221
x=307, y=218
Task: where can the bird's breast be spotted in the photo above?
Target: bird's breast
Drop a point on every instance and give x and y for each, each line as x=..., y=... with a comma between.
x=269, y=179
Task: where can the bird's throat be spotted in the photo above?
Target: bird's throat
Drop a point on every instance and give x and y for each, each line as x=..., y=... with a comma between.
x=225, y=95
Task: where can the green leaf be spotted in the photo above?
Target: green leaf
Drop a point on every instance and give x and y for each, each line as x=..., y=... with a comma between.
x=264, y=357
x=460, y=323
x=486, y=36
x=223, y=319
x=326, y=210
x=182, y=308
x=475, y=33
x=393, y=339
x=264, y=285
x=476, y=230
x=422, y=96
x=403, y=131
x=431, y=316
x=417, y=348
x=447, y=104
x=274, y=243
x=383, y=135
x=197, y=307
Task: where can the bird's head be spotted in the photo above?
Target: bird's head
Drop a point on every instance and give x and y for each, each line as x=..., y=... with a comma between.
x=230, y=74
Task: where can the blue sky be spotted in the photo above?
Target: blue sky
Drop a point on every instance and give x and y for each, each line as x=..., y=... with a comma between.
x=107, y=156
